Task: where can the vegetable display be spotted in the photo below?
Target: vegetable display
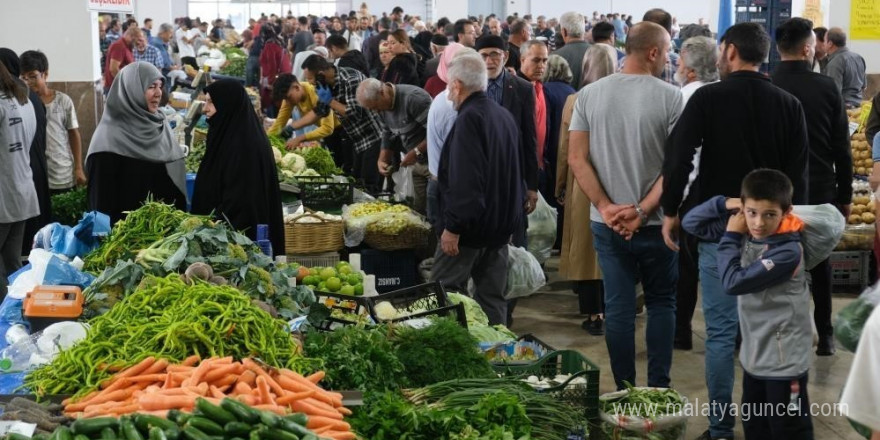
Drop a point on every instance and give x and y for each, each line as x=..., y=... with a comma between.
x=169, y=319
x=196, y=150
x=68, y=207
x=439, y=352
x=138, y=230
x=156, y=386
x=643, y=413
x=484, y=409
x=47, y=417
x=356, y=358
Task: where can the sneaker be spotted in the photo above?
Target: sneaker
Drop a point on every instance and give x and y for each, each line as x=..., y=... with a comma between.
x=706, y=436
x=826, y=346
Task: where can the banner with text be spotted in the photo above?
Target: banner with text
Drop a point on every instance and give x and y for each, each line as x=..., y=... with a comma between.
x=112, y=6
x=864, y=21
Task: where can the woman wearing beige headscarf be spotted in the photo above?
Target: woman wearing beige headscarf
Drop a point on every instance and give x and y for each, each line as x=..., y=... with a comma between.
x=578, y=261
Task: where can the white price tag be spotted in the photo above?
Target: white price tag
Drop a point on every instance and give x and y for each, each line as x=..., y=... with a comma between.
x=26, y=429
x=853, y=126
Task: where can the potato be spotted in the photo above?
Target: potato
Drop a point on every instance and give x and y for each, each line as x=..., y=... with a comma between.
x=858, y=209
x=871, y=206
x=855, y=219
x=868, y=217
x=861, y=171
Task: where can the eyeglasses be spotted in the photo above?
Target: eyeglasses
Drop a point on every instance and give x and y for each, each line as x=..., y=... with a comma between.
x=493, y=55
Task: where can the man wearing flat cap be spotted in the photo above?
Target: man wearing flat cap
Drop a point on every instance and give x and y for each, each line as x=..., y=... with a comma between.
x=518, y=97
x=438, y=44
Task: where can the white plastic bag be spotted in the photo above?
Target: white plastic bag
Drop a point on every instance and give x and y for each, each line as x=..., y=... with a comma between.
x=26, y=281
x=823, y=228
x=670, y=423
x=404, y=190
x=524, y=274
x=542, y=230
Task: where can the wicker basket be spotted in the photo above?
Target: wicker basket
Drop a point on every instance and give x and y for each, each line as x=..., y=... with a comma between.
x=199, y=135
x=313, y=238
x=410, y=238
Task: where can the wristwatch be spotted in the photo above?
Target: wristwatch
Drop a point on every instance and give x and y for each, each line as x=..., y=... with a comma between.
x=642, y=215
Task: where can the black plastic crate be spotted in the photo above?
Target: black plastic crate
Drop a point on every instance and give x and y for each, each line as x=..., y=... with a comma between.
x=345, y=310
x=394, y=270
x=325, y=193
x=420, y=298
x=455, y=312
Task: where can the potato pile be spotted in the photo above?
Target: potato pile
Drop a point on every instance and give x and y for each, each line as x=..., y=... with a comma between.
x=863, y=164
x=862, y=209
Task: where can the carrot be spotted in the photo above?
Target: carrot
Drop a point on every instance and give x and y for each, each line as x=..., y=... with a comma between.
x=316, y=377
x=320, y=404
x=251, y=365
x=339, y=435
x=157, y=377
x=313, y=411
x=169, y=381
x=190, y=361
x=157, y=402
x=292, y=397
x=113, y=396
x=344, y=411
x=293, y=386
x=242, y=388
x=226, y=382
x=319, y=421
x=263, y=387
x=126, y=409
x=220, y=372
x=249, y=400
x=157, y=367
x=179, y=369
x=320, y=393
x=280, y=410
x=137, y=369
x=216, y=393
x=198, y=373
x=249, y=378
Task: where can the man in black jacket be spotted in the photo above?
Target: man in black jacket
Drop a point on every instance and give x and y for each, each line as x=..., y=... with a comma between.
x=337, y=45
x=518, y=97
x=481, y=191
x=830, y=160
x=743, y=122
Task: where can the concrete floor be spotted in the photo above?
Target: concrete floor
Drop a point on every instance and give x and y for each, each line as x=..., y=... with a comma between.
x=552, y=315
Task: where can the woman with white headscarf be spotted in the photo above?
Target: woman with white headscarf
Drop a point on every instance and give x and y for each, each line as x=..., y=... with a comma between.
x=133, y=154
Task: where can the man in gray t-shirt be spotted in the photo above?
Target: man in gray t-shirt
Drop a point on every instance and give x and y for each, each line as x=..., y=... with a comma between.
x=618, y=132
x=403, y=114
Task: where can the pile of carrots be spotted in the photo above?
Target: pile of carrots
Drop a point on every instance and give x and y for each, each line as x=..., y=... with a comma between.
x=154, y=386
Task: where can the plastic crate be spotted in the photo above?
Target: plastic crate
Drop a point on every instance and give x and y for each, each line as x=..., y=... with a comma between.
x=850, y=268
x=325, y=193
x=393, y=269
x=328, y=259
x=455, y=312
x=583, y=396
x=345, y=310
x=422, y=301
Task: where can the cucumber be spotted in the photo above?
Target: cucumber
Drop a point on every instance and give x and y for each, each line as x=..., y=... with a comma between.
x=207, y=426
x=192, y=433
x=156, y=433
x=63, y=433
x=129, y=431
x=17, y=436
x=146, y=421
x=241, y=411
x=108, y=433
x=256, y=434
x=76, y=437
x=296, y=428
x=298, y=418
x=309, y=436
x=269, y=419
x=40, y=436
x=89, y=427
x=277, y=434
x=237, y=429
x=214, y=412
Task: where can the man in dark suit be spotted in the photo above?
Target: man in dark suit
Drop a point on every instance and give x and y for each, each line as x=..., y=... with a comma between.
x=830, y=160
x=518, y=97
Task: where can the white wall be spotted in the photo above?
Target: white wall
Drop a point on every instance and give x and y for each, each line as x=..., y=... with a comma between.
x=869, y=49
x=69, y=36
x=158, y=10
x=452, y=9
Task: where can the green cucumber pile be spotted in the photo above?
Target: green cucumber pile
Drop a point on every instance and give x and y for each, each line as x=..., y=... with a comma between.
x=231, y=420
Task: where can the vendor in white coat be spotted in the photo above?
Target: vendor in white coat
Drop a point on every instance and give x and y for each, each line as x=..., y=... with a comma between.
x=861, y=396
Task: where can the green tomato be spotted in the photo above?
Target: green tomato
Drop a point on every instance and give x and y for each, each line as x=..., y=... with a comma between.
x=358, y=289
x=333, y=283
x=354, y=278
x=327, y=273
x=314, y=271
x=344, y=270
x=342, y=264
x=322, y=287
x=348, y=290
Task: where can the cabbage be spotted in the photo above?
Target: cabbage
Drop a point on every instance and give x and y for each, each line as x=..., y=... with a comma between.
x=490, y=334
x=293, y=162
x=277, y=154
x=473, y=311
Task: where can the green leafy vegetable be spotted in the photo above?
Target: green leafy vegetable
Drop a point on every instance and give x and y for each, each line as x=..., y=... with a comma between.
x=356, y=358
x=68, y=207
x=440, y=352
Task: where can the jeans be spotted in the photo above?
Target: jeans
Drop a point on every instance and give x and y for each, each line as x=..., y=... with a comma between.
x=433, y=205
x=686, y=291
x=722, y=322
x=252, y=72
x=624, y=263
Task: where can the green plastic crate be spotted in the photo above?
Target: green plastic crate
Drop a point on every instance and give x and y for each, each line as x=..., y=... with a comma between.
x=585, y=397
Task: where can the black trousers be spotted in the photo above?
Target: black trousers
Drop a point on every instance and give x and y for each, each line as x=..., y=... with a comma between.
x=821, y=289
x=688, y=281
x=591, y=296
x=767, y=403
x=340, y=148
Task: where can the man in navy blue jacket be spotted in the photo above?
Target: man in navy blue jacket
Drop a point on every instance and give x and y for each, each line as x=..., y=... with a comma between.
x=481, y=190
